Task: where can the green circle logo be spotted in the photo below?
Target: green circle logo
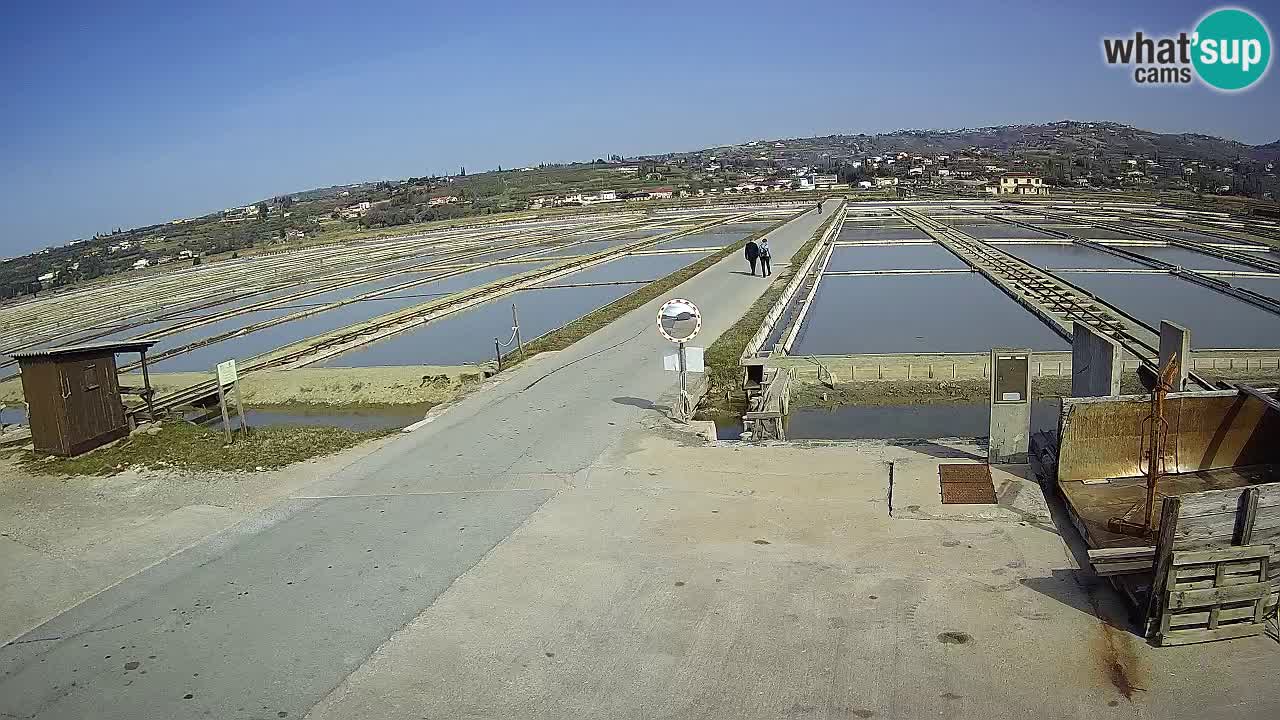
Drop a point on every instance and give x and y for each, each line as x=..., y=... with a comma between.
x=1232, y=49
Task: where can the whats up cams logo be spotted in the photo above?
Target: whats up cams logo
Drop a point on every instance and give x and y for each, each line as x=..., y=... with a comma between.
x=1229, y=50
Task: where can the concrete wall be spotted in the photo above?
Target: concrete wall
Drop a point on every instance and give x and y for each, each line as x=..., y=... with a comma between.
x=1095, y=363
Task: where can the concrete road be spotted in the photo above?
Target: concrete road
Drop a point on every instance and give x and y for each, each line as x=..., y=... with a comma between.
x=269, y=617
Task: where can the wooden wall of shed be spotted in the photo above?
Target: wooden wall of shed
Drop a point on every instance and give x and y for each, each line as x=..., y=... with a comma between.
x=43, y=392
x=75, y=403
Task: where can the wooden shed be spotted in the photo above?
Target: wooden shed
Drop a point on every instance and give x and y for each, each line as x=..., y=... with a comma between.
x=74, y=396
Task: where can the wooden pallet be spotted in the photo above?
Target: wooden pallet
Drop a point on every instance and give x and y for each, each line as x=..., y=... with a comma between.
x=1214, y=595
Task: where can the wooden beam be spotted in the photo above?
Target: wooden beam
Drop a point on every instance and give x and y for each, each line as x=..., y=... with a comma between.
x=1264, y=398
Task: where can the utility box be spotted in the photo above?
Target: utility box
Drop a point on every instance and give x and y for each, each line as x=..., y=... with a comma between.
x=1010, y=406
x=74, y=396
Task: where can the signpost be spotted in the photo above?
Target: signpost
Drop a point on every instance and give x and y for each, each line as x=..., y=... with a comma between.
x=679, y=320
x=227, y=375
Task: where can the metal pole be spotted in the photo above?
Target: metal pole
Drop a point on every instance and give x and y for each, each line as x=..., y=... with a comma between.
x=515, y=322
x=684, y=397
x=497, y=351
x=222, y=403
x=244, y=424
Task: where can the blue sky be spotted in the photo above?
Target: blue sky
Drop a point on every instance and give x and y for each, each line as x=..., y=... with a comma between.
x=125, y=114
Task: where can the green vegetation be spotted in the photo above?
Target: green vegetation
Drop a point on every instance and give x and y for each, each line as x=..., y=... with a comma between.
x=587, y=324
x=190, y=448
x=724, y=400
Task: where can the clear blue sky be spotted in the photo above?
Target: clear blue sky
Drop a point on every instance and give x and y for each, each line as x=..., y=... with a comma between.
x=125, y=114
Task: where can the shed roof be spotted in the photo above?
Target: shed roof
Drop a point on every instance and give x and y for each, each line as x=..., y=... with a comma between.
x=54, y=353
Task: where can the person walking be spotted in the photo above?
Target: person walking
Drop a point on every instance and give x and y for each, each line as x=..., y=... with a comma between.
x=819, y=207
x=753, y=254
x=765, y=256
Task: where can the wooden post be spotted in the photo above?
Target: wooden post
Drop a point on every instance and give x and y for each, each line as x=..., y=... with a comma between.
x=146, y=387
x=515, y=323
x=1244, y=520
x=244, y=424
x=497, y=352
x=1163, y=563
x=222, y=403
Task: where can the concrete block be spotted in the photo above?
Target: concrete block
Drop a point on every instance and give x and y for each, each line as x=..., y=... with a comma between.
x=1095, y=363
x=1175, y=341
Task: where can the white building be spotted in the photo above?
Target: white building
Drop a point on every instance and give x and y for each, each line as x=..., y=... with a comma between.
x=143, y=263
x=886, y=182
x=1018, y=184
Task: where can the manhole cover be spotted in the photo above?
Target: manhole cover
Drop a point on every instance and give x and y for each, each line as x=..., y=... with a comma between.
x=966, y=484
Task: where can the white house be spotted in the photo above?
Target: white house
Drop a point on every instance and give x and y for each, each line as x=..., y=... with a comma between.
x=864, y=184
x=142, y=264
x=1018, y=184
x=886, y=182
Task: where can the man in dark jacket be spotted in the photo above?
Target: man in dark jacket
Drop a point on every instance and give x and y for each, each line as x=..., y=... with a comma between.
x=753, y=254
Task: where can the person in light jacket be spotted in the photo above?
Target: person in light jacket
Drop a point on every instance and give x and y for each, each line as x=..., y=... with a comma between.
x=765, y=256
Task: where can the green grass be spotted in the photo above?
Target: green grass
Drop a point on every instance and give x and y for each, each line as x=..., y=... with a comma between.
x=591, y=322
x=187, y=447
x=724, y=398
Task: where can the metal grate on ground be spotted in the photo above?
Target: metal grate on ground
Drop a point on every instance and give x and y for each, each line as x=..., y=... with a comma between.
x=966, y=484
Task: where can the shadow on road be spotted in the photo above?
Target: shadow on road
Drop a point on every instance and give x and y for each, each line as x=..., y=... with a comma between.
x=1085, y=592
x=636, y=402
x=937, y=450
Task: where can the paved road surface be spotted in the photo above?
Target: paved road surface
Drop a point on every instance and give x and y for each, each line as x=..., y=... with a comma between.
x=265, y=619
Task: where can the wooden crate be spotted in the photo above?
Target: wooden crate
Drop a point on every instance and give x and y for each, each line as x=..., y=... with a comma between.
x=1214, y=595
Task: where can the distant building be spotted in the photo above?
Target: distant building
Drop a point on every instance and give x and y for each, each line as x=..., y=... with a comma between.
x=1018, y=184
x=661, y=193
x=354, y=211
x=886, y=182
x=442, y=200
x=864, y=184
x=592, y=198
x=143, y=263
x=825, y=181
x=917, y=170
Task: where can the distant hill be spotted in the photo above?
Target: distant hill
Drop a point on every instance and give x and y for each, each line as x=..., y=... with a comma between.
x=1067, y=153
x=1067, y=137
